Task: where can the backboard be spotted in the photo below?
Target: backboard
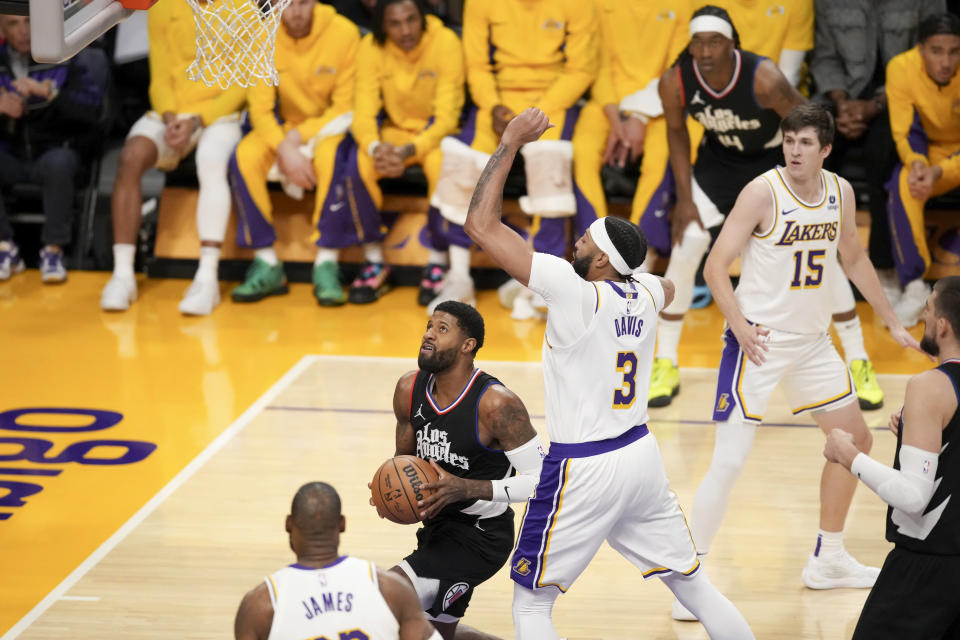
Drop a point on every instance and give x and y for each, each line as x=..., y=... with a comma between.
x=61, y=28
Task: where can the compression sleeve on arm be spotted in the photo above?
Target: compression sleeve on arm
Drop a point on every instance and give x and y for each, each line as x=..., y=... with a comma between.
x=791, y=63
x=526, y=459
x=908, y=489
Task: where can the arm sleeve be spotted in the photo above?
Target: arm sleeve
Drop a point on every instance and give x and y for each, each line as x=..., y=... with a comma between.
x=449, y=98
x=477, y=55
x=902, y=113
x=262, y=100
x=581, y=51
x=343, y=90
x=161, y=67
x=790, y=63
x=908, y=489
x=826, y=65
x=367, y=102
x=527, y=460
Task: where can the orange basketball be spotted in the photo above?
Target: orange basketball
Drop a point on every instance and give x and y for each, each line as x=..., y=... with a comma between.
x=397, y=488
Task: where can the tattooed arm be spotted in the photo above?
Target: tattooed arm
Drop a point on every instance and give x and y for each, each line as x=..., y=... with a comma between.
x=484, y=225
x=774, y=91
x=406, y=441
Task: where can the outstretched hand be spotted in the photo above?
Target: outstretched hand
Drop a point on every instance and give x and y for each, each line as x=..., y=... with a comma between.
x=447, y=489
x=904, y=339
x=526, y=127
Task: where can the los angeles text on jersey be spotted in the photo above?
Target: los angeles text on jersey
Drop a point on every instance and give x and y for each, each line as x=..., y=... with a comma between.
x=723, y=120
x=628, y=325
x=339, y=601
x=433, y=443
x=794, y=232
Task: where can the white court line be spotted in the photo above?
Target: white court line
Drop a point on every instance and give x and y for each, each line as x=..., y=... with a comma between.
x=81, y=598
x=202, y=458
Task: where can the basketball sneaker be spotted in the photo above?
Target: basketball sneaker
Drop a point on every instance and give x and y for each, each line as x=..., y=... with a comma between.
x=52, y=270
x=838, y=571
x=120, y=291
x=262, y=280
x=371, y=283
x=10, y=260
x=911, y=303
x=507, y=293
x=523, y=306
x=455, y=287
x=201, y=298
x=430, y=283
x=664, y=382
x=327, y=288
x=869, y=392
x=890, y=282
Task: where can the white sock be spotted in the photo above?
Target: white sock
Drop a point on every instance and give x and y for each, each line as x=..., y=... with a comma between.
x=682, y=269
x=325, y=254
x=209, y=260
x=829, y=543
x=851, y=338
x=437, y=257
x=123, y=255
x=268, y=255
x=718, y=615
x=668, y=339
x=373, y=252
x=460, y=261
x=531, y=613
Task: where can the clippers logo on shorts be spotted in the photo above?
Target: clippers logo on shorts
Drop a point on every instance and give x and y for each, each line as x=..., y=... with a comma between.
x=522, y=567
x=454, y=593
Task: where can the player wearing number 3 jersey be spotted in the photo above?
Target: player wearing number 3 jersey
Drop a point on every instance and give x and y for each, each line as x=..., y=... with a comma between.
x=603, y=478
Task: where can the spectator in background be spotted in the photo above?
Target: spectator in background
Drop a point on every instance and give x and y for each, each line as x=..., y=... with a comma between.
x=184, y=115
x=855, y=39
x=923, y=94
x=316, y=57
x=518, y=55
x=44, y=110
x=409, y=96
x=363, y=12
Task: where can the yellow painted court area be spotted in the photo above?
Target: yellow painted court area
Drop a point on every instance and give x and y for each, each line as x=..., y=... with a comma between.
x=180, y=383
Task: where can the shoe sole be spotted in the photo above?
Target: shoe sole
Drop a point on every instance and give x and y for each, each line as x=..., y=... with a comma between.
x=56, y=280
x=835, y=584
x=330, y=303
x=866, y=405
x=382, y=291
x=256, y=297
x=663, y=401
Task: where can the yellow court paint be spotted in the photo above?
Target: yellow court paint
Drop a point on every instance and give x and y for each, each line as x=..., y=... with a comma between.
x=178, y=383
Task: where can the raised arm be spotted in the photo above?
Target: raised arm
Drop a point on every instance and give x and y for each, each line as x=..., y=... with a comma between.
x=484, y=224
x=773, y=90
x=406, y=439
x=254, y=616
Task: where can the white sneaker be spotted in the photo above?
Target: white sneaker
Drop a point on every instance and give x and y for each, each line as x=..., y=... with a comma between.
x=508, y=292
x=911, y=304
x=890, y=282
x=523, y=308
x=680, y=612
x=119, y=293
x=838, y=571
x=201, y=297
x=454, y=287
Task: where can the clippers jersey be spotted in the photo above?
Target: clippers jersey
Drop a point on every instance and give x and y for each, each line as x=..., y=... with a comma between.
x=781, y=280
x=449, y=436
x=937, y=530
x=340, y=600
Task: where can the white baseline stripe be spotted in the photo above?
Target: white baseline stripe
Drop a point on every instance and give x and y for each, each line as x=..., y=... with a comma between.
x=81, y=598
x=202, y=458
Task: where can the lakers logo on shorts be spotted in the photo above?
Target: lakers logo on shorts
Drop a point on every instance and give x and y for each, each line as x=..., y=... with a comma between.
x=723, y=403
x=522, y=567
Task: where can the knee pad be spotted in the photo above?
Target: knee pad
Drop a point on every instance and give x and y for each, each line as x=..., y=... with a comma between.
x=459, y=172
x=733, y=444
x=549, y=168
x=533, y=601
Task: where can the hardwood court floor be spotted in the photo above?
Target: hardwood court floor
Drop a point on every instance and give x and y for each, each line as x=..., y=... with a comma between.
x=120, y=550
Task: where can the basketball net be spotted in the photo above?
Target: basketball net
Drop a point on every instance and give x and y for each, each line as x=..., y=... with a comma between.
x=235, y=41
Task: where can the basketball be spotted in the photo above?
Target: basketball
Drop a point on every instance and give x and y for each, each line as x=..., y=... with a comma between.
x=396, y=487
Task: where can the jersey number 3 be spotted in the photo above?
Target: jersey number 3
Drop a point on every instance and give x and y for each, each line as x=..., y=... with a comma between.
x=627, y=365
x=814, y=269
x=353, y=634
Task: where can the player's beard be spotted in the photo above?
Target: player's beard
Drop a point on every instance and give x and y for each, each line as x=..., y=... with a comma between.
x=929, y=345
x=581, y=265
x=439, y=361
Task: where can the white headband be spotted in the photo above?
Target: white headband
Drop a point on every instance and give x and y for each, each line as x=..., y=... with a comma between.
x=711, y=23
x=598, y=231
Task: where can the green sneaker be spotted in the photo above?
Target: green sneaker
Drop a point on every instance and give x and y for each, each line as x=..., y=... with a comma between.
x=664, y=382
x=261, y=281
x=869, y=392
x=327, y=287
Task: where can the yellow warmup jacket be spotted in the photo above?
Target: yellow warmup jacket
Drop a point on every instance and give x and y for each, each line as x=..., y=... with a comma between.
x=767, y=28
x=530, y=45
x=913, y=98
x=317, y=78
x=660, y=30
x=421, y=90
x=173, y=47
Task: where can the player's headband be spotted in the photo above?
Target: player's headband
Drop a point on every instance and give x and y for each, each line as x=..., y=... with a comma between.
x=711, y=23
x=598, y=231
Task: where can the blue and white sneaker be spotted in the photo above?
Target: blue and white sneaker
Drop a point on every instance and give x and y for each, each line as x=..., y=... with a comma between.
x=10, y=260
x=52, y=270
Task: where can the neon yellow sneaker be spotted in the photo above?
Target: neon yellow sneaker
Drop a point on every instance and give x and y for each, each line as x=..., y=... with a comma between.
x=664, y=382
x=869, y=392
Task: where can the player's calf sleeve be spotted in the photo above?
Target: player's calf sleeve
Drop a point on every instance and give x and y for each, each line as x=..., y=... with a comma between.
x=682, y=270
x=213, y=199
x=531, y=613
x=731, y=447
x=719, y=617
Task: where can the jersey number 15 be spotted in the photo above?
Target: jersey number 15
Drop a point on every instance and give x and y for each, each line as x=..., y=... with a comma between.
x=814, y=269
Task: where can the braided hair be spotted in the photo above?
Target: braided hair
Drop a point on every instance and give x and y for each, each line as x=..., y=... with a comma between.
x=717, y=12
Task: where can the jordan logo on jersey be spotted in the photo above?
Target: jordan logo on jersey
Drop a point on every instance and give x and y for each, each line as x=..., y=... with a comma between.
x=419, y=413
x=433, y=443
x=696, y=98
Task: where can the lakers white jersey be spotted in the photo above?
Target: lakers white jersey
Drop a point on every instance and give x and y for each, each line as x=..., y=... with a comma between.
x=341, y=601
x=784, y=267
x=595, y=385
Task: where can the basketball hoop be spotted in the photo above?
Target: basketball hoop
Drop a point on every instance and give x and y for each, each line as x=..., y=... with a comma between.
x=235, y=41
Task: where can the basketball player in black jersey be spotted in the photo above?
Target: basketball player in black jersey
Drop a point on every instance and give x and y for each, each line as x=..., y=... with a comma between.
x=917, y=594
x=475, y=432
